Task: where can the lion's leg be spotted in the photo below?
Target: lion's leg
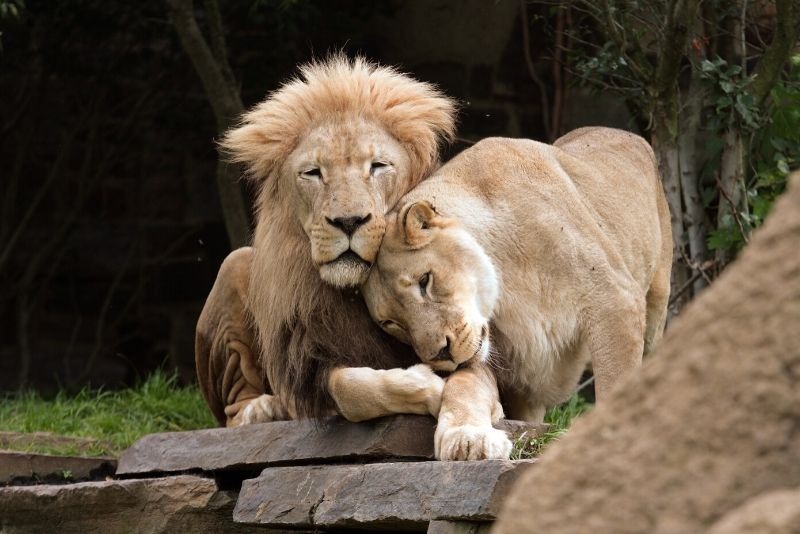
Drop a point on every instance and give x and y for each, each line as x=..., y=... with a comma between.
x=470, y=405
x=363, y=393
x=225, y=349
x=615, y=339
x=657, y=306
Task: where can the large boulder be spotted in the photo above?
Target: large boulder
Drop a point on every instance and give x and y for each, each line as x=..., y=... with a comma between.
x=776, y=512
x=712, y=420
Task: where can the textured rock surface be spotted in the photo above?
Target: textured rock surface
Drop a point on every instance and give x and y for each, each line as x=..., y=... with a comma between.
x=777, y=512
x=287, y=442
x=177, y=504
x=385, y=495
x=675, y=448
x=22, y=465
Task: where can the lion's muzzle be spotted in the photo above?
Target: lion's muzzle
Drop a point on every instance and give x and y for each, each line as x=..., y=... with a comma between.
x=349, y=225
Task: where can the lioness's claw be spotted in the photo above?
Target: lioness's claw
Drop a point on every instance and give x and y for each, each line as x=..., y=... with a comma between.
x=471, y=442
x=258, y=410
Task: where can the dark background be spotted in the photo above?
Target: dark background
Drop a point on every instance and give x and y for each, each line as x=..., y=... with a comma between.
x=111, y=231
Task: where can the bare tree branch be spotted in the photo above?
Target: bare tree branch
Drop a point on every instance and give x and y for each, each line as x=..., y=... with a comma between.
x=216, y=34
x=224, y=99
x=769, y=68
x=526, y=50
x=212, y=66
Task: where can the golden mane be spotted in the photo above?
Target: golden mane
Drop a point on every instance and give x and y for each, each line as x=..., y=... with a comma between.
x=413, y=112
x=305, y=327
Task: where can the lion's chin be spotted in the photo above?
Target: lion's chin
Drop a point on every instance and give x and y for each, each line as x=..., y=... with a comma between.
x=348, y=270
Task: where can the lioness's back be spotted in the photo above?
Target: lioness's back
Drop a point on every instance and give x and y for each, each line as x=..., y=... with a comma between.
x=609, y=146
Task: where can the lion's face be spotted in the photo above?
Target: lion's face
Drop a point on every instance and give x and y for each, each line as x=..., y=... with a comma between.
x=434, y=288
x=346, y=175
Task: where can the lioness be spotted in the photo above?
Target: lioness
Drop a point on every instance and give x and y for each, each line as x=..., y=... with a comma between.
x=565, y=249
x=331, y=151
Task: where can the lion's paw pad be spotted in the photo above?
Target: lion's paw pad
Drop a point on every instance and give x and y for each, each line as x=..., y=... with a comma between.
x=470, y=442
x=258, y=410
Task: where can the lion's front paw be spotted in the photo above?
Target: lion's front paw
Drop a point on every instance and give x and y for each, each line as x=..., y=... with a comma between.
x=259, y=410
x=471, y=442
x=423, y=386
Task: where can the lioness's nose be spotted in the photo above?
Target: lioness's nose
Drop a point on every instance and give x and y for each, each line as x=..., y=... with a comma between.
x=444, y=354
x=348, y=225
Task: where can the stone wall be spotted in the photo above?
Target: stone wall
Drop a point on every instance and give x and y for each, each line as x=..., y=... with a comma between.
x=306, y=475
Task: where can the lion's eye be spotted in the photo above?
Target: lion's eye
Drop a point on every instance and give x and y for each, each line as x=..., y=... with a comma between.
x=424, y=281
x=377, y=165
x=312, y=173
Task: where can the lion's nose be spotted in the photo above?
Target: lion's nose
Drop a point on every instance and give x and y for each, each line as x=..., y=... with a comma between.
x=444, y=354
x=348, y=225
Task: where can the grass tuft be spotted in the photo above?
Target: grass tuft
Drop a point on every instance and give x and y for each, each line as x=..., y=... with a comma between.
x=559, y=418
x=114, y=418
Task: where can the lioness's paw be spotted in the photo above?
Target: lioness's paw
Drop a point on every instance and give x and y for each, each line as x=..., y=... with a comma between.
x=470, y=442
x=259, y=410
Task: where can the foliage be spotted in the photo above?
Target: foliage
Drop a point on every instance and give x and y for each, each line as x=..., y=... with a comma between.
x=731, y=97
x=718, y=94
x=10, y=10
x=114, y=418
x=774, y=152
x=559, y=418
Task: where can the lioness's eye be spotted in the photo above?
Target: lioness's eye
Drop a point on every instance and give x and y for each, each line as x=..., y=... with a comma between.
x=315, y=172
x=388, y=323
x=424, y=281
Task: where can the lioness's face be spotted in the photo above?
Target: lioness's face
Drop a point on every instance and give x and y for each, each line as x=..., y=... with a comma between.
x=346, y=176
x=434, y=288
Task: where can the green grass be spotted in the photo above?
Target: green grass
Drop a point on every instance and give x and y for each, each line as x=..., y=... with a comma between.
x=114, y=418
x=559, y=419
x=118, y=418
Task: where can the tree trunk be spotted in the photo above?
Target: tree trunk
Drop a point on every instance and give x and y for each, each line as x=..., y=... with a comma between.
x=770, y=66
x=694, y=217
x=223, y=95
x=731, y=187
x=667, y=152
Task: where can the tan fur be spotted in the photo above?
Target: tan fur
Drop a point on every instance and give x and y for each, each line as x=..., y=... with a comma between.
x=565, y=249
x=344, y=141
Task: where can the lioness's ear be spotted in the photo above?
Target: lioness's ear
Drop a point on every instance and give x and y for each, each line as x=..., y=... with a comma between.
x=418, y=222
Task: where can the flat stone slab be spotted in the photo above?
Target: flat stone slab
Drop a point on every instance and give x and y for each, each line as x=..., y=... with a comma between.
x=176, y=504
x=377, y=496
x=253, y=447
x=21, y=466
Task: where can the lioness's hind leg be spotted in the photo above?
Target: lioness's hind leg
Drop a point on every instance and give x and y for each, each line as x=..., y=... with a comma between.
x=615, y=334
x=657, y=307
x=225, y=347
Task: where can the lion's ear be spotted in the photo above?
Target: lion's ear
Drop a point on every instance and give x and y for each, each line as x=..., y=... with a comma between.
x=419, y=220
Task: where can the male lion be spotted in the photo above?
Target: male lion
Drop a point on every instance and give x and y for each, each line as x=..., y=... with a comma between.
x=332, y=152
x=566, y=249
